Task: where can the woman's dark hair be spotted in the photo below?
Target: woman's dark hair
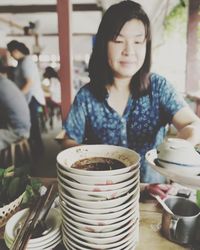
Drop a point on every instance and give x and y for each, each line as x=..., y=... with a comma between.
x=112, y=22
x=50, y=72
x=12, y=45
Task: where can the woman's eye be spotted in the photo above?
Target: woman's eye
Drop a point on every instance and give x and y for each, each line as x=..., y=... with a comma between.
x=118, y=41
x=139, y=42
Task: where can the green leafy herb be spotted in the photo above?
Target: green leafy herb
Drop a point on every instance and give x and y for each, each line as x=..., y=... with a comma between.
x=198, y=197
x=14, y=182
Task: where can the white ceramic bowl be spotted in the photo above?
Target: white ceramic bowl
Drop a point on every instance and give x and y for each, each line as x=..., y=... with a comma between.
x=101, y=212
x=95, y=188
x=177, y=152
x=53, y=222
x=132, y=237
x=96, y=222
x=100, y=228
x=69, y=156
x=97, y=196
x=102, y=234
x=100, y=204
x=99, y=180
x=69, y=244
x=91, y=216
x=100, y=241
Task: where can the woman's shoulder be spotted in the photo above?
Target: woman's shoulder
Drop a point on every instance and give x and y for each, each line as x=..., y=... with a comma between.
x=159, y=82
x=84, y=90
x=156, y=78
x=28, y=61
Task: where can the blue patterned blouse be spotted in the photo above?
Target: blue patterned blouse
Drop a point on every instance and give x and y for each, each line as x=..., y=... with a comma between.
x=141, y=128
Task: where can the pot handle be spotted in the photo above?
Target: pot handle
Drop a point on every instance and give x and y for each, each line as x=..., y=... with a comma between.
x=173, y=225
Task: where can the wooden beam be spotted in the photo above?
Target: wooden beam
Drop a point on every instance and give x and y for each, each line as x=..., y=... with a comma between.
x=64, y=29
x=49, y=34
x=16, y=9
x=193, y=62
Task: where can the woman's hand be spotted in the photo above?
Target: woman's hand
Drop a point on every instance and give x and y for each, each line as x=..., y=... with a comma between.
x=158, y=189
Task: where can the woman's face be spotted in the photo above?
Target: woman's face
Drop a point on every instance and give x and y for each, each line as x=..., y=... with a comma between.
x=126, y=53
x=16, y=54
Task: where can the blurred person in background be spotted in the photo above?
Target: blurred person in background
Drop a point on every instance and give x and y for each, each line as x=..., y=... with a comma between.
x=54, y=84
x=27, y=78
x=14, y=112
x=54, y=90
x=124, y=103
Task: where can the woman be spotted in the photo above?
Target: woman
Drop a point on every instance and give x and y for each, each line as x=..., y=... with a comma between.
x=27, y=78
x=54, y=102
x=124, y=104
x=54, y=85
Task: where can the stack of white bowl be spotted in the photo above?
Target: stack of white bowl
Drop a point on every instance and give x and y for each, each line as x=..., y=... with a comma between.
x=100, y=209
x=49, y=240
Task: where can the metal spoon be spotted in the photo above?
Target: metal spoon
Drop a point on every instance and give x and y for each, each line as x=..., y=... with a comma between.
x=40, y=227
x=162, y=203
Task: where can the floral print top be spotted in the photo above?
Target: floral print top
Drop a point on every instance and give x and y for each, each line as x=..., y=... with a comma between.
x=141, y=127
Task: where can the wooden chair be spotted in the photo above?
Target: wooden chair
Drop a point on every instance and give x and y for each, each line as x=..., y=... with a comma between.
x=17, y=153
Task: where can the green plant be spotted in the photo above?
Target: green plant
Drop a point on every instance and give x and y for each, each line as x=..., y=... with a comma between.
x=198, y=197
x=176, y=20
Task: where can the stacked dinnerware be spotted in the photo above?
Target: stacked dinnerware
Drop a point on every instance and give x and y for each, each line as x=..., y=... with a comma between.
x=48, y=240
x=99, y=203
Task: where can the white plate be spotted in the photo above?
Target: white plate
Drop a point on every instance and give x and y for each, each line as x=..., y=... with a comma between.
x=176, y=174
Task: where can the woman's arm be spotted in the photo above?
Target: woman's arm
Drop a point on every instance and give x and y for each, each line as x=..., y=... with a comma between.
x=68, y=142
x=188, y=125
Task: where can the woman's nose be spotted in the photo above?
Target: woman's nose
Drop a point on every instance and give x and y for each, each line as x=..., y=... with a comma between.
x=129, y=48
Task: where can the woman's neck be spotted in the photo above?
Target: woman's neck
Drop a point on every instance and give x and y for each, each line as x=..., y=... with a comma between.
x=120, y=85
x=119, y=93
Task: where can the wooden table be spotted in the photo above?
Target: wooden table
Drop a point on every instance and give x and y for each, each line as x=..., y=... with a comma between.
x=150, y=237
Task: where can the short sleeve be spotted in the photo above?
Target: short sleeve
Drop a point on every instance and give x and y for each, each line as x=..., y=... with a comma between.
x=76, y=120
x=28, y=68
x=170, y=100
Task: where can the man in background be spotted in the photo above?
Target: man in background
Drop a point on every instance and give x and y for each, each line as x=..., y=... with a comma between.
x=14, y=112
